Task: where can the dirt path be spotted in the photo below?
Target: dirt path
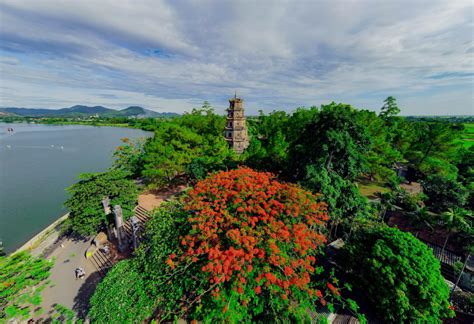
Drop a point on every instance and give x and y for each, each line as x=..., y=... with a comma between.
x=153, y=198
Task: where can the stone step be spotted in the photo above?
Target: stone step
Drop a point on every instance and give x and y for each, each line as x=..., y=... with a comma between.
x=101, y=262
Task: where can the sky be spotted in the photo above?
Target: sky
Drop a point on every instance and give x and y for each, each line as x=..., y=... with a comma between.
x=277, y=55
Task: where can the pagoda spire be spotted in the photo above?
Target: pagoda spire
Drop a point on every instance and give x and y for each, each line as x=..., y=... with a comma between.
x=236, y=132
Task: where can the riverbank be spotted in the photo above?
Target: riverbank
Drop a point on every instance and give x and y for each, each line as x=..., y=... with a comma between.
x=44, y=239
x=52, y=121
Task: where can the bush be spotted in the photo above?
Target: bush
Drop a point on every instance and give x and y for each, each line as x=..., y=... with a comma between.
x=398, y=274
x=444, y=193
x=22, y=280
x=85, y=204
x=122, y=296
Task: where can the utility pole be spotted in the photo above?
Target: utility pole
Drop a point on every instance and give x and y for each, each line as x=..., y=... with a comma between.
x=459, y=277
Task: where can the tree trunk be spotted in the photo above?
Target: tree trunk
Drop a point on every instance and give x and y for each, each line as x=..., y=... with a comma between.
x=328, y=161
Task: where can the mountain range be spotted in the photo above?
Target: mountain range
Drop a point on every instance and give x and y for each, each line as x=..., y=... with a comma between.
x=84, y=111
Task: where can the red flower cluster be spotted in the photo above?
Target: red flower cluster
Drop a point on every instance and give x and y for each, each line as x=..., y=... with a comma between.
x=254, y=231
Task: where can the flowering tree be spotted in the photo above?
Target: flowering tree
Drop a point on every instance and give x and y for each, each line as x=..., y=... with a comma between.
x=240, y=246
x=254, y=240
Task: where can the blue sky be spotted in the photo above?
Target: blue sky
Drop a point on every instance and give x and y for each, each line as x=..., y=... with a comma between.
x=173, y=55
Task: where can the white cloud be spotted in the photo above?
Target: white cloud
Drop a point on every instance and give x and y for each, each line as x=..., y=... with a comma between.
x=280, y=54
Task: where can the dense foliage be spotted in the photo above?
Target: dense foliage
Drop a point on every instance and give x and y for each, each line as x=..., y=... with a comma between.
x=444, y=192
x=128, y=157
x=193, y=144
x=335, y=140
x=399, y=274
x=240, y=247
x=22, y=279
x=121, y=297
x=254, y=237
x=86, y=212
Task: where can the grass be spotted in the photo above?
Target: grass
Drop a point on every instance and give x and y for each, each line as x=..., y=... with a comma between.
x=468, y=135
x=370, y=189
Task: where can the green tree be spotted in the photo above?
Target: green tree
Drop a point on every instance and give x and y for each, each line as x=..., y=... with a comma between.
x=398, y=274
x=433, y=148
x=456, y=219
x=382, y=155
x=390, y=108
x=335, y=140
x=129, y=157
x=192, y=144
x=444, y=192
x=268, y=147
x=22, y=279
x=466, y=173
x=167, y=154
x=86, y=213
x=345, y=203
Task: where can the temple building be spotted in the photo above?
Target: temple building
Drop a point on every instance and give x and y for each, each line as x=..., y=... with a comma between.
x=236, y=129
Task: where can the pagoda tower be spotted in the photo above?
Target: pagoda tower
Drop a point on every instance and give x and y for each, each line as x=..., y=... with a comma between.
x=236, y=129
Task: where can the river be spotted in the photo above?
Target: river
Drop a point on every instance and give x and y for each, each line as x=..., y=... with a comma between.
x=37, y=163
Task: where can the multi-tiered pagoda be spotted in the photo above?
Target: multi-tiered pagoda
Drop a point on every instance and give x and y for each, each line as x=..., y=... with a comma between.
x=236, y=129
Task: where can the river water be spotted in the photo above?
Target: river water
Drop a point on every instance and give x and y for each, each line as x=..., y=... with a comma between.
x=37, y=163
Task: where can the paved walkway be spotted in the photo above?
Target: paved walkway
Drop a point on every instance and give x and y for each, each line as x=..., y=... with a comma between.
x=65, y=289
x=74, y=294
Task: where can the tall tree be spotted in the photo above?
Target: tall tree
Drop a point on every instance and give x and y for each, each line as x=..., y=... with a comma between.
x=268, y=149
x=382, y=155
x=456, y=219
x=390, y=108
x=167, y=154
x=335, y=140
x=444, y=192
x=433, y=148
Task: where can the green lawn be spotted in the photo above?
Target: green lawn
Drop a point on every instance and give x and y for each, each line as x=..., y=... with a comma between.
x=468, y=135
x=369, y=189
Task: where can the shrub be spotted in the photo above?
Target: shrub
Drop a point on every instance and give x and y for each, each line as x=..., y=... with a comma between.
x=407, y=201
x=22, y=280
x=399, y=275
x=122, y=296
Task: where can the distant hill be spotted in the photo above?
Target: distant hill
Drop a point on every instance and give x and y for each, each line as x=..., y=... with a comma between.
x=84, y=111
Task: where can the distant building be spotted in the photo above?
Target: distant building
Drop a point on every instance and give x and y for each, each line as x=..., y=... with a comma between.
x=236, y=129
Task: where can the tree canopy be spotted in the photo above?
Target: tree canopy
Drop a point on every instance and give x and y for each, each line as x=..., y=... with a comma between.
x=86, y=212
x=399, y=274
x=241, y=246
